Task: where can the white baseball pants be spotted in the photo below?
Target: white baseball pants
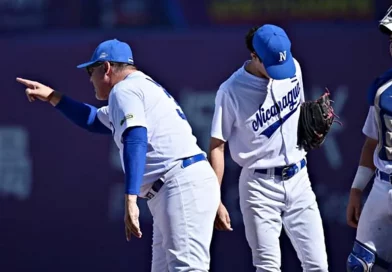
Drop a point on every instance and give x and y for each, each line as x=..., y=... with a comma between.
x=268, y=203
x=375, y=223
x=184, y=211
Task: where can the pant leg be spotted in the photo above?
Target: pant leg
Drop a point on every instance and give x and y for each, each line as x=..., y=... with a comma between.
x=159, y=263
x=185, y=209
x=303, y=225
x=261, y=201
x=375, y=223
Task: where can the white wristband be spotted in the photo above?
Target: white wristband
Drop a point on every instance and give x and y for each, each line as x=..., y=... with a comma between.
x=362, y=177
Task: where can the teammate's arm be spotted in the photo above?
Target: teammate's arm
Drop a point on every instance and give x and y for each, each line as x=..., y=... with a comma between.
x=217, y=157
x=365, y=170
x=81, y=114
x=222, y=124
x=217, y=161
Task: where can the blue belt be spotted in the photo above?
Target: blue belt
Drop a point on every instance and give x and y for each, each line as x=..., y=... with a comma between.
x=286, y=172
x=185, y=163
x=384, y=176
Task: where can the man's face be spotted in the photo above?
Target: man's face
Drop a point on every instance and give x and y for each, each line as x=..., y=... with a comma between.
x=100, y=80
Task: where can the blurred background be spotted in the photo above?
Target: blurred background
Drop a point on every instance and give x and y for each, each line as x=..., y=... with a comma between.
x=61, y=188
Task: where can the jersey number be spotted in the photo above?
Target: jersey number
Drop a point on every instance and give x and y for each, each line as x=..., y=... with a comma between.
x=179, y=111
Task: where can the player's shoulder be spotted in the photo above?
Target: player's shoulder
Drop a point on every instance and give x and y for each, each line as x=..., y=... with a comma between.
x=226, y=91
x=377, y=84
x=238, y=80
x=228, y=86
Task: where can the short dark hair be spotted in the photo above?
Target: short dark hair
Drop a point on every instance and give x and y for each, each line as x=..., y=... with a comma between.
x=119, y=66
x=249, y=38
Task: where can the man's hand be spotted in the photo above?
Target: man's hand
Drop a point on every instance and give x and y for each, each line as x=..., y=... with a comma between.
x=354, y=207
x=131, y=217
x=222, y=220
x=36, y=90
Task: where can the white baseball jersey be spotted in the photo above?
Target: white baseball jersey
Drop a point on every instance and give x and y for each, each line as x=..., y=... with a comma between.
x=259, y=119
x=140, y=101
x=376, y=127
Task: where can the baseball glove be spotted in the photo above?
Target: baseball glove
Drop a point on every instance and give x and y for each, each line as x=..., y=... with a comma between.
x=315, y=120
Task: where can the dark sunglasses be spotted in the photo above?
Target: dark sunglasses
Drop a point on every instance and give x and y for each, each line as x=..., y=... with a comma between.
x=90, y=69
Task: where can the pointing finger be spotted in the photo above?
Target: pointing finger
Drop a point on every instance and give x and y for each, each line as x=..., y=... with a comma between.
x=26, y=82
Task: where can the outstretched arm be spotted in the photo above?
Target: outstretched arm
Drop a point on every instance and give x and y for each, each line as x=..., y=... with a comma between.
x=81, y=114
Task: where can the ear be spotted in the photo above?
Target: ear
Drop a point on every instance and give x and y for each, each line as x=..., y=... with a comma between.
x=255, y=57
x=107, y=67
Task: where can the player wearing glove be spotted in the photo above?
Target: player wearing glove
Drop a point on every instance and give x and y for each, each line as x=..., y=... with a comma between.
x=257, y=111
x=372, y=250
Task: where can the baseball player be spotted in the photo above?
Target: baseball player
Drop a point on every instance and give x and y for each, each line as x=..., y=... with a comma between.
x=256, y=112
x=372, y=250
x=159, y=154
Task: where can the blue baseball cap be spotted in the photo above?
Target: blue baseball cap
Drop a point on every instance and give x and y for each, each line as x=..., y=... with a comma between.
x=110, y=50
x=273, y=47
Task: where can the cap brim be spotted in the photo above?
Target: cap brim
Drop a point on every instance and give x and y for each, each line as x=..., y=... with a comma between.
x=84, y=65
x=282, y=71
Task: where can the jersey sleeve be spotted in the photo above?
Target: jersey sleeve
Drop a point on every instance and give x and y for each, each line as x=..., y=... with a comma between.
x=103, y=116
x=127, y=109
x=370, y=127
x=223, y=119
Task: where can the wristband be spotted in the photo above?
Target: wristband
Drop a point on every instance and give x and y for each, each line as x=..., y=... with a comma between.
x=362, y=177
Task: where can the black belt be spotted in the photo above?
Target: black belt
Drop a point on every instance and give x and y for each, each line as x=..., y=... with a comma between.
x=384, y=176
x=157, y=185
x=286, y=172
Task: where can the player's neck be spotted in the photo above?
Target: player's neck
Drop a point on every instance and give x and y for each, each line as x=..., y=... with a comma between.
x=251, y=68
x=121, y=76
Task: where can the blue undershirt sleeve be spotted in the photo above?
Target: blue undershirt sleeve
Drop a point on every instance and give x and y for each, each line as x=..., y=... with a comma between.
x=134, y=155
x=81, y=114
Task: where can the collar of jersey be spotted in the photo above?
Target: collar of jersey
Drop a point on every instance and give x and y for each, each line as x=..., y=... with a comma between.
x=252, y=80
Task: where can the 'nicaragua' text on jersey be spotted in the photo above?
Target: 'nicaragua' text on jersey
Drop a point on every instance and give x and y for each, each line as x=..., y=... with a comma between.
x=259, y=119
x=279, y=112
